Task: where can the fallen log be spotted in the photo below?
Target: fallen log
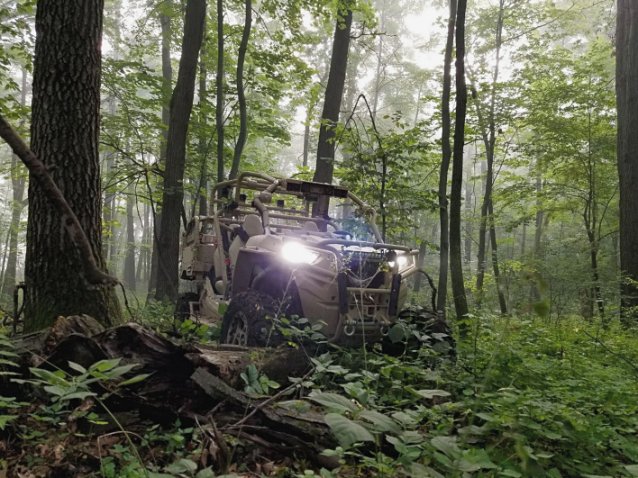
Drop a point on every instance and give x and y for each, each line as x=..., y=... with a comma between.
x=197, y=384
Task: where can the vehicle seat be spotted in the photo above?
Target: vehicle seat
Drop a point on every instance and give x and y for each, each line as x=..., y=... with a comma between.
x=252, y=226
x=310, y=226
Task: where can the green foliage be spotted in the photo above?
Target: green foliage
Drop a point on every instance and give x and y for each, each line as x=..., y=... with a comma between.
x=8, y=405
x=257, y=384
x=525, y=398
x=63, y=388
x=390, y=171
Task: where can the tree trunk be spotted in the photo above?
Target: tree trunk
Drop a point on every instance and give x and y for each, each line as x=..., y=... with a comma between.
x=446, y=128
x=456, y=261
x=488, y=132
x=167, y=82
x=241, y=97
x=129, y=259
x=64, y=135
x=332, y=100
x=200, y=201
x=377, y=77
x=627, y=100
x=469, y=229
x=497, y=272
x=181, y=107
x=219, y=91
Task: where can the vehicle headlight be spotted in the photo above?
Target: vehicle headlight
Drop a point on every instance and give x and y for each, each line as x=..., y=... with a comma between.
x=297, y=253
x=401, y=261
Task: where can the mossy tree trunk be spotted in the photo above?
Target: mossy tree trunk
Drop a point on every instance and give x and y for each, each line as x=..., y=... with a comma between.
x=64, y=135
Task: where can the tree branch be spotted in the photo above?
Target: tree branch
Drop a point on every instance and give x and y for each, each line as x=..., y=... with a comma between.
x=70, y=222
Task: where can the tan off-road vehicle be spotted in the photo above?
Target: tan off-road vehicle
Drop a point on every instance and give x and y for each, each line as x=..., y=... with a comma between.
x=263, y=254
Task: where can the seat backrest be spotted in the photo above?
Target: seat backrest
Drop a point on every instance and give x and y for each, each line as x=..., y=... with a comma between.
x=310, y=226
x=252, y=226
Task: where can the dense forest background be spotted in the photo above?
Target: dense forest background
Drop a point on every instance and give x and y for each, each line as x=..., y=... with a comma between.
x=487, y=135
x=540, y=188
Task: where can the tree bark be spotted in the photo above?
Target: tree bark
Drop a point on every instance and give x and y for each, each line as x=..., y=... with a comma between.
x=181, y=107
x=199, y=201
x=495, y=267
x=627, y=101
x=469, y=229
x=446, y=127
x=456, y=261
x=129, y=259
x=488, y=133
x=219, y=91
x=167, y=82
x=64, y=135
x=332, y=100
x=241, y=96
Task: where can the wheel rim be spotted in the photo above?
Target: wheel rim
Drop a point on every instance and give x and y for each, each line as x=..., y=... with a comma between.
x=238, y=330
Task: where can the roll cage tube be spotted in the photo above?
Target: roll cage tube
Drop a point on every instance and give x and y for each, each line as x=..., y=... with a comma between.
x=268, y=185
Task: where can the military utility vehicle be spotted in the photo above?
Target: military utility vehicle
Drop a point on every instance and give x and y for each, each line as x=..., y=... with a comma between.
x=274, y=248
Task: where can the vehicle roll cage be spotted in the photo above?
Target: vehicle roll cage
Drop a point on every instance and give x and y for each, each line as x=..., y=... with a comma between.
x=267, y=185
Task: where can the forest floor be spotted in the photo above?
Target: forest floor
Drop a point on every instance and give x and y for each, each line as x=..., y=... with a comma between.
x=523, y=398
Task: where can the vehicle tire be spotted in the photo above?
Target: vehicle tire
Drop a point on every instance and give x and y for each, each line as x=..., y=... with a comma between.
x=249, y=321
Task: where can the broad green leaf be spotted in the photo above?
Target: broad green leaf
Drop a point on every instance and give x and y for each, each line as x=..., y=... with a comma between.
x=346, y=431
x=57, y=390
x=77, y=367
x=380, y=422
x=55, y=378
x=632, y=469
x=510, y=473
x=432, y=393
x=474, y=460
x=447, y=445
x=81, y=395
x=205, y=473
x=398, y=333
x=121, y=370
x=333, y=401
x=5, y=419
x=182, y=465
x=134, y=380
x=105, y=365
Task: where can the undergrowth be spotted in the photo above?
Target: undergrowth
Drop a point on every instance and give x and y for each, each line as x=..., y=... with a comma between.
x=523, y=398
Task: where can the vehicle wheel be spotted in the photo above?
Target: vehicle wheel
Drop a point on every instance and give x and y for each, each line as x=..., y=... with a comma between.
x=249, y=321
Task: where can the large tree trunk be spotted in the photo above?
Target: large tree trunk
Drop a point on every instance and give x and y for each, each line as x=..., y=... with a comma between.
x=456, y=261
x=181, y=107
x=241, y=96
x=446, y=128
x=627, y=99
x=167, y=82
x=64, y=135
x=332, y=100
